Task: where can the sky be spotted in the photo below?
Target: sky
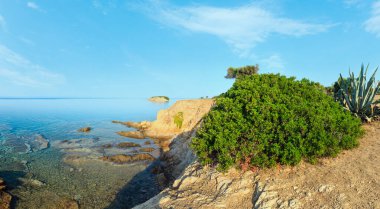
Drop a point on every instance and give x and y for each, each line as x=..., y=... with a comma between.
x=115, y=48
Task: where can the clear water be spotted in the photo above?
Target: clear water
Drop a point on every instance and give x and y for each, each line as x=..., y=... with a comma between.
x=94, y=184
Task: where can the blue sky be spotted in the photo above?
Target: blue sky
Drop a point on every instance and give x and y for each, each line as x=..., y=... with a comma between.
x=115, y=48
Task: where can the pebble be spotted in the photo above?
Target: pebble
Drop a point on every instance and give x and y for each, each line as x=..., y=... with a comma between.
x=293, y=202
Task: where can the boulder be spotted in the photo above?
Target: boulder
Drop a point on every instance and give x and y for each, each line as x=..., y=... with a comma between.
x=146, y=149
x=85, y=129
x=5, y=198
x=132, y=134
x=39, y=143
x=127, y=145
x=122, y=158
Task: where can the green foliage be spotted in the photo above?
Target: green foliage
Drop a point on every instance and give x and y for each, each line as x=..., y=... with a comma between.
x=357, y=94
x=178, y=119
x=242, y=71
x=268, y=119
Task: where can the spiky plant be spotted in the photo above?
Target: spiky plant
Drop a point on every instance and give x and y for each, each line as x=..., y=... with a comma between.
x=358, y=95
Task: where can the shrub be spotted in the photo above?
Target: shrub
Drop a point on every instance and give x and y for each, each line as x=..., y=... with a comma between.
x=178, y=119
x=268, y=119
x=242, y=71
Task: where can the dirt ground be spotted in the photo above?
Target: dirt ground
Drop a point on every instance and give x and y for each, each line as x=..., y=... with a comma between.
x=351, y=180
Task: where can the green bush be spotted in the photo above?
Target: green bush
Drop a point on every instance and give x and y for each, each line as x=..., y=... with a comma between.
x=242, y=71
x=268, y=119
x=178, y=119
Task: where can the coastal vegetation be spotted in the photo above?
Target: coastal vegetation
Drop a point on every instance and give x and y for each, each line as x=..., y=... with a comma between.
x=358, y=95
x=269, y=119
x=242, y=71
x=178, y=119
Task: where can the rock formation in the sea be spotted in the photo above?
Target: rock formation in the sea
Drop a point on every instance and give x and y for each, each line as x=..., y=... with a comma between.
x=132, y=134
x=127, y=145
x=85, y=129
x=39, y=143
x=159, y=99
x=23, y=145
x=146, y=149
x=122, y=158
x=5, y=198
x=181, y=117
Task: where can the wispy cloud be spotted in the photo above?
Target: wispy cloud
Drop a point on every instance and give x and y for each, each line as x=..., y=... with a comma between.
x=104, y=6
x=352, y=2
x=35, y=6
x=32, y=5
x=273, y=63
x=240, y=27
x=372, y=25
x=3, y=24
x=20, y=71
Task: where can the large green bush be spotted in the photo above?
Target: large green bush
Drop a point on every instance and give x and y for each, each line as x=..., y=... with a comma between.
x=267, y=119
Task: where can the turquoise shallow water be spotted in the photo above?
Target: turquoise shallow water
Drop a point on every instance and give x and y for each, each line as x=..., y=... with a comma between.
x=93, y=184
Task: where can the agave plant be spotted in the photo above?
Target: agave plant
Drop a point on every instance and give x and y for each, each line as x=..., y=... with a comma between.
x=358, y=95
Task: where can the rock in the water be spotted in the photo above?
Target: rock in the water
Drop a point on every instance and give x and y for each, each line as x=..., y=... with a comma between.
x=68, y=204
x=122, y=158
x=39, y=143
x=127, y=145
x=17, y=145
x=159, y=99
x=31, y=182
x=85, y=129
x=132, y=134
x=139, y=126
x=146, y=149
x=5, y=198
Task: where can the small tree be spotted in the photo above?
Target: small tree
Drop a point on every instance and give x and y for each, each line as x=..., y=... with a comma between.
x=242, y=71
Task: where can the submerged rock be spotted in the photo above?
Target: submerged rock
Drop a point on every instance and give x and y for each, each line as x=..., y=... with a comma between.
x=68, y=204
x=127, y=145
x=5, y=198
x=85, y=129
x=139, y=126
x=23, y=145
x=147, y=149
x=122, y=158
x=39, y=143
x=132, y=134
x=32, y=182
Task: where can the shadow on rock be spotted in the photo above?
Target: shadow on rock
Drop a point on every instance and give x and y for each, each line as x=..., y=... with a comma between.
x=156, y=177
x=12, y=181
x=141, y=188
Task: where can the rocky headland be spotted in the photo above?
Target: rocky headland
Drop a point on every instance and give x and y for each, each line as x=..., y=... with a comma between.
x=350, y=180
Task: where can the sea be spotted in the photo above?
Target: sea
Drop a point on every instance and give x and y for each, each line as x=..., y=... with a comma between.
x=44, y=178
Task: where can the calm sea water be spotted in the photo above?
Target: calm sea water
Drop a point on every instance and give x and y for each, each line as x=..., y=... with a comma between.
x=92, y=185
